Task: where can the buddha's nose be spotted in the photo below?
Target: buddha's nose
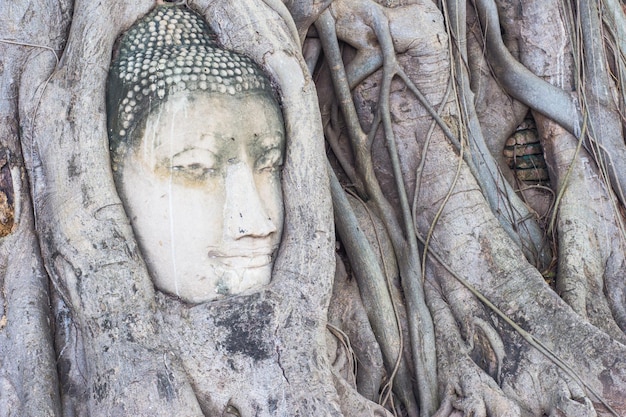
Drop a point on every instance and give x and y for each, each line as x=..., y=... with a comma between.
x=244, y=214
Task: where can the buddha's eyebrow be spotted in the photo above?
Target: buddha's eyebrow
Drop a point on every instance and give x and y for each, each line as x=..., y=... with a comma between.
x=189, y=151
x=200, y=150
x=214, y=142
x=170, y=149
x=183, y=151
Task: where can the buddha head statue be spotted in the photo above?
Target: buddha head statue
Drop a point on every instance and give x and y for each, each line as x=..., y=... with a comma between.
x=197, y=143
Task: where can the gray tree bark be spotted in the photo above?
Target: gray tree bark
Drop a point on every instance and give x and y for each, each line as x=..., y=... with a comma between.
x=461, y=324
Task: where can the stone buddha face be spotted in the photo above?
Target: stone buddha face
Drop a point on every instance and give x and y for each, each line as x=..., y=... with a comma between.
x=197, y=141
x=201, y=185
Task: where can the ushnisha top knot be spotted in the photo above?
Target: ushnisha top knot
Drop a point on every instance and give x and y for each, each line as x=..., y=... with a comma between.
x=169, y=50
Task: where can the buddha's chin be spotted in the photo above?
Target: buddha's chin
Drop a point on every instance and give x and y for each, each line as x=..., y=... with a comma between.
x=221, y=281
x=236, y=280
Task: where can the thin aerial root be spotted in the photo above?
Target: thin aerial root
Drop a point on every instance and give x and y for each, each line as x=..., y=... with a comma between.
x=420, y=170
x=31, y=45
x=347, y=346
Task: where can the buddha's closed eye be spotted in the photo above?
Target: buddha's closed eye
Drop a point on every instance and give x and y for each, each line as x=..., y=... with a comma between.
x=194, y=170
x=270, y=161
x=194, y=164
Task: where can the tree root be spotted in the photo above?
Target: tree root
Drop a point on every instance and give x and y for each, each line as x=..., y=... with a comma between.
x=422, y=337
x=606, y=140
x=465, y=386
x=543, y=389
x=605, y=126
x=467, y=233
x=518, y=81
x=373, y=286
x=589, y=227
x=347, y=312
x=512, y=213
x=353, y=404
x=498, y=113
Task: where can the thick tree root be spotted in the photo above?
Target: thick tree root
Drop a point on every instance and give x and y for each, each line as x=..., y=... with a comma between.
x=606, y=138
x=464, y=385
x=29, y=383
x=519, y=81
x=346, y=311
x=512, y=213
x=590, y=230
x=502, y=278
x=591, y=244
x=352, y=404
x=370, y=273
x=422, y=336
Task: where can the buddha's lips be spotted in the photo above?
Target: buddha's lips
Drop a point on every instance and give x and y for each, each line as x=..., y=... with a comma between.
x=248, y=260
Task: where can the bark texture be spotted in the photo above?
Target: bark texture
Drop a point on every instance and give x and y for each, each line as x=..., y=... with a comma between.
x=459, y=288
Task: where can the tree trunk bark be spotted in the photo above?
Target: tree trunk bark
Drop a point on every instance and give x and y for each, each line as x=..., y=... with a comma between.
x=83, y=332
